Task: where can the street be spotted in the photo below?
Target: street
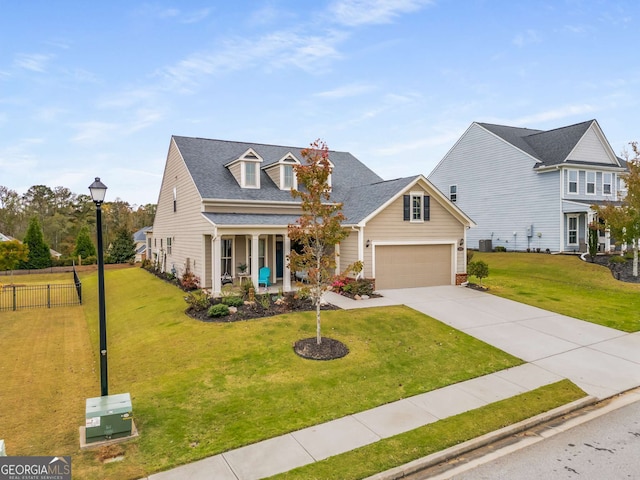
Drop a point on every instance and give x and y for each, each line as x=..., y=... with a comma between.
x=607, y=447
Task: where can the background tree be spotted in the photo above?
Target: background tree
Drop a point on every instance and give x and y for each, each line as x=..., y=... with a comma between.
x=11, y=213
x=84, y=245
x=319, y=228
x=624, y=220
x=12, y=253
x=39, y=254
x=123, y=248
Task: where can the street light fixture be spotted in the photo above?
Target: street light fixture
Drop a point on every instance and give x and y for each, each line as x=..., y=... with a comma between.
x=98, y=192
x=108, y=417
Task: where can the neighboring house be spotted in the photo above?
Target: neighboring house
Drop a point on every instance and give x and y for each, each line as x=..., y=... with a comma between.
x=223, y=204
x=54, y=254
x=140, y=239
x=531, y=188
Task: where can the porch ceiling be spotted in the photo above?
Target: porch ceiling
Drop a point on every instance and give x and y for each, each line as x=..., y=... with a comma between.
x=251, y=219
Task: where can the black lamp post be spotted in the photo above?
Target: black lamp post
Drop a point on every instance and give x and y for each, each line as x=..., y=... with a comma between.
x=98, y=191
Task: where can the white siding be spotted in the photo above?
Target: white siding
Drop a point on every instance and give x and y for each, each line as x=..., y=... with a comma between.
x=499, y=189
x=591, y=148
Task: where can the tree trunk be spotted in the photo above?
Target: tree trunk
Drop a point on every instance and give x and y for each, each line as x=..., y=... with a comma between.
x=318, y=336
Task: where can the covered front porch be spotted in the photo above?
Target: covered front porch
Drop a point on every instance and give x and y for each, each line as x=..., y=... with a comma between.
x=236, y=257
x=577, y=216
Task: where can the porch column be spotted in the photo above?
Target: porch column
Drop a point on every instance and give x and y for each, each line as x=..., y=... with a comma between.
x=216, y=254
x=254, y=260
x=286, y=271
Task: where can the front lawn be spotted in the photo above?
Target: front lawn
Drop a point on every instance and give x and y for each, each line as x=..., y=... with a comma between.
x=203, y=388
x=564, y=284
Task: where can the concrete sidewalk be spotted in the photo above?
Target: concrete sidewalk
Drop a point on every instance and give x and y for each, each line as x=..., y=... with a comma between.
x=602, y=361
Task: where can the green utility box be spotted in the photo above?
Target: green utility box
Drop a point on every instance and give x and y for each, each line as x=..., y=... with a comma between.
x=108, y=417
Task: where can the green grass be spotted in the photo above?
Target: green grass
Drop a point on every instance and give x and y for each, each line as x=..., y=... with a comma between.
x=564, y=284
x=203, y=388
x=435, y=437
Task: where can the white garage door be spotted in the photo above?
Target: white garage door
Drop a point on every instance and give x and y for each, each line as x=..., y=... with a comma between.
x=406, y=266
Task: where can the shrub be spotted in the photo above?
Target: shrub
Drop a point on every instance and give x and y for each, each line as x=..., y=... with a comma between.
x=233, y=301
x=478, y=269
x=198, y=300
x=264, y=300
x=218, y=310
x=500, y=248
x=190, y=281
x=246, y=286
x=617, y=259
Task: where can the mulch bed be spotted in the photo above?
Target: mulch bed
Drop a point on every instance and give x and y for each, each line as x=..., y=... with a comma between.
x=475, y=286
x=257, y=310
x=329, y=348
x=620, y=271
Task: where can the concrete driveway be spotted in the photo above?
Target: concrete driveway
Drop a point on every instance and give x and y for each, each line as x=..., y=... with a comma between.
x=600, y=360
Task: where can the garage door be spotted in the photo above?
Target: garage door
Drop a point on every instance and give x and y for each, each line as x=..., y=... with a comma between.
x=406, y=266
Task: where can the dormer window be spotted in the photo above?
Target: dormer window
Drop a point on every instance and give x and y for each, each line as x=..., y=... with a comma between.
x=246, y=169
x=250, y=177
x=287, y=177
x=282, y=172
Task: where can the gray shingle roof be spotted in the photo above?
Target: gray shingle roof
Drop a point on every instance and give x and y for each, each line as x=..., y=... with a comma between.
x=206, y=160
x=549, y=147
x=363, y=200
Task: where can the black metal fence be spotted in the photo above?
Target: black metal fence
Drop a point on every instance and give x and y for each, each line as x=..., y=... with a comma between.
x=16, y=297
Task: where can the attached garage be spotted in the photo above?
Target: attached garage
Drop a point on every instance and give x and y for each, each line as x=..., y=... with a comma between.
x=407, y=266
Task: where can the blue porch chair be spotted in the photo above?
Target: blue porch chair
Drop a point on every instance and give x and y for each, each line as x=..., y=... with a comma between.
x=264, y=276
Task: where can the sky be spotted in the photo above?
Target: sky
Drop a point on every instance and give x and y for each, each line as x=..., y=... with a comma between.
x=96, y=88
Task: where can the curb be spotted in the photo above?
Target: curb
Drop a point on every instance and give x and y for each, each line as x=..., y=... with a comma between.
x=482, y=441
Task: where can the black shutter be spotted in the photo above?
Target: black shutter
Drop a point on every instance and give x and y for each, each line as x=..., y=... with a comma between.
x=427, y=205
x=407, y=207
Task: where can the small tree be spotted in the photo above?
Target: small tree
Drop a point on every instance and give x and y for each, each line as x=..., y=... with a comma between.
x=624, y=220
x=11, y=254
x=84, y=245
x=593, y=241
x=319, y=228
x=478, y=269
x=39, y=254
x=123, y=248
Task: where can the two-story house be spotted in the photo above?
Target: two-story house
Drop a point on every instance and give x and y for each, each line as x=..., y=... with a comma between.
x=531, y=188
x=224, y=204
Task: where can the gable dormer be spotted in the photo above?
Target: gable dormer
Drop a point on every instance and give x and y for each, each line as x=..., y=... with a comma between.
x=282, y=172
x=246, y=169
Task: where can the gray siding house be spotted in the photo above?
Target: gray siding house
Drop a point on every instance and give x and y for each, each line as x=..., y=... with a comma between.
x=224, y=204
x=528, y=188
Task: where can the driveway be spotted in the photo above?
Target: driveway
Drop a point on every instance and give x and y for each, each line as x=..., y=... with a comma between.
x=600, y=360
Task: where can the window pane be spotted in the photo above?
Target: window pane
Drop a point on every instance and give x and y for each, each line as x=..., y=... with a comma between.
x=606, y=184
x=591, y=182
x=250, y=174
x=573, y=181
x=288, y=177
x=416, y=202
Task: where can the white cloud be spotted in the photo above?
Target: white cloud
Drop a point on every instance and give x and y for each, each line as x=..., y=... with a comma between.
x=527, y=37
x=345, y=91
x=94, y=132
x=144, y=119
x=554, y=114
x=35, y=62
x=439, y=139
x=195, y=17
x=275, y=50
x=372, y=12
